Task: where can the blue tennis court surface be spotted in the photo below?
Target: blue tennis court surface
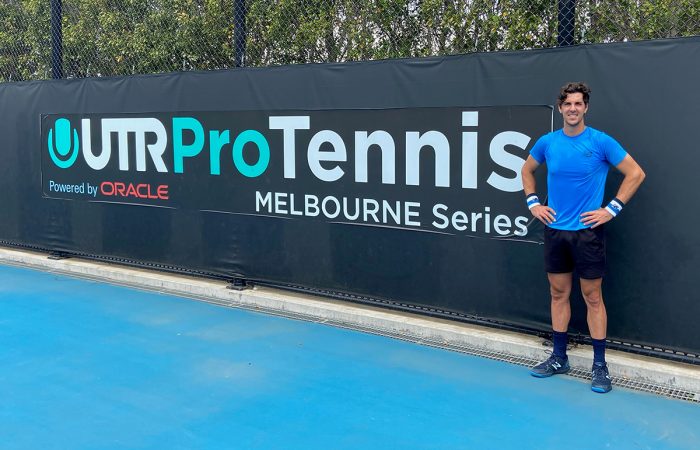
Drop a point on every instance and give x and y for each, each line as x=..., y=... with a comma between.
x=87, y=365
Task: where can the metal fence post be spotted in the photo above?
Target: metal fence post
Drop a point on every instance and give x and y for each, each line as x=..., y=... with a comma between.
x=566, y=17
x=239, y=32
x=56, y=39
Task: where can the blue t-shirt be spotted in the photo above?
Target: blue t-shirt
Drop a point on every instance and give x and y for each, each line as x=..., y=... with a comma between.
x=576, y=171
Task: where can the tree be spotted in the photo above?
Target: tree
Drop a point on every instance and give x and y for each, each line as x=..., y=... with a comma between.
x=122, y=37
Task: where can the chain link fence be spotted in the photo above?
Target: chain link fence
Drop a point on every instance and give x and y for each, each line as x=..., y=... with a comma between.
x=89, y=38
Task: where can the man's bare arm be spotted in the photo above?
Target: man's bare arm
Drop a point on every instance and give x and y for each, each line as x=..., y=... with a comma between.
x=544, y=213
x=634, y=175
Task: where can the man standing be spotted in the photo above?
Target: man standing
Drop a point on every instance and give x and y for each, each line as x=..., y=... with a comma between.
x=578, y=158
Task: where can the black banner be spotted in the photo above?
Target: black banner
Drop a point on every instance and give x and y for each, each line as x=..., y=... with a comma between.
x=444, y=170
x=213, y=224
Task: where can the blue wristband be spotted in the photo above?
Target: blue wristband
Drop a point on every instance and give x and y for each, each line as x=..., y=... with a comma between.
x=532, y=201
x=615, y=207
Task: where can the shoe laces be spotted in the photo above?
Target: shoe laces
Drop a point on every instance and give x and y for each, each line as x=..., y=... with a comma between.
x=600, y=370
x=553, y=357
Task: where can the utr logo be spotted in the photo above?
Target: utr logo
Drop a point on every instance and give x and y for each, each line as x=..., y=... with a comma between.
x=61, y=153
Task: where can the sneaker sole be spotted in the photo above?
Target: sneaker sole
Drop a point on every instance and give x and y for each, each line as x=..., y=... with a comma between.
x=547, y=375
x=600, y=390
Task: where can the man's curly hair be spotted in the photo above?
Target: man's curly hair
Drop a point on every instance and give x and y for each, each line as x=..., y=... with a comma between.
x=572, y=88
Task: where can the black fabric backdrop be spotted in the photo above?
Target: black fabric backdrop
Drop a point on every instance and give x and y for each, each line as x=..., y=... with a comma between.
x=644, y=94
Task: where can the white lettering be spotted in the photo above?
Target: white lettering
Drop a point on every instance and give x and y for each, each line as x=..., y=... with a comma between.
x=386, y=145
x=122, y=127
x=436, y=212
x=370, y=211
x=440, y=145
x=521, y=224
x=288, y=125
x=500, y=156
x=261, y=201
x=469, y=150
x=410, y=212
x=336, y=206
x=280, y=202
x=502, y=221
x=311, y=206
x=315, y=155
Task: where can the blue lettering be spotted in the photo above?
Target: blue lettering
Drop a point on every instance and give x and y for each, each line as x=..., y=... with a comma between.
x=264, y=153
x=180, y=150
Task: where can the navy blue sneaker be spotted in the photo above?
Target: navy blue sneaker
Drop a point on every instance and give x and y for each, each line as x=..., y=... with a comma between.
x=553, y=366
x=600, y=378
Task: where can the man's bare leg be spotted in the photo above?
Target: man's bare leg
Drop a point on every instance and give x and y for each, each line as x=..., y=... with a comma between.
x=597, y=316
x=597, y=325
x=560, y=290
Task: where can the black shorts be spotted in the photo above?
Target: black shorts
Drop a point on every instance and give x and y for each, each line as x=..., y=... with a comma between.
x=583, y=250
